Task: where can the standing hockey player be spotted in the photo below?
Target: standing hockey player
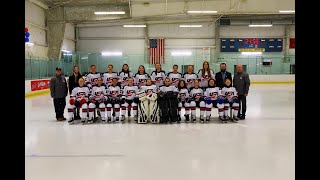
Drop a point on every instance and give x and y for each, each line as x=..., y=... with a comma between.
x=174, y=76
x=205, y=74
x=196, y=95
x=108, y=76
x=124, y=75
x=213, y=98
x=189, y=77
x=113, y=94
x=183, y=99
x=141, y=77
x=79, y=98
x=148, y=106
x=129, y=99
x=231, y=99
x=168, y=102
x=158, y=76
x=97, y=99
x=92, y=77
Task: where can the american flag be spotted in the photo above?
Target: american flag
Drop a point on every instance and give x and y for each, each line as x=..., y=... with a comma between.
x=156, y=48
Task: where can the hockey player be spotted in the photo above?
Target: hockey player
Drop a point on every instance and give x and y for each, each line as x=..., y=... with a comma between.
x=129, y=99
x=183, y=99
x=108, y=76
x=113, y=94
x=196, y=95
x=158, y=76
x=174, y=76
x=168, y=103
x=231, y=99
x=213, y=98
x=97, y=99
x=189, y=77
x=92, y=77
x=79, y=98
x=148, y=106
x=124, y=75
x=141, y=77
x=205, y=74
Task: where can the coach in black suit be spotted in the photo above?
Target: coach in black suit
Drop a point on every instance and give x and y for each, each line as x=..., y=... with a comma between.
x=222, y=75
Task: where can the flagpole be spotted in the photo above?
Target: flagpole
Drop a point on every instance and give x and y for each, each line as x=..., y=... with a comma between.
x=146, y=44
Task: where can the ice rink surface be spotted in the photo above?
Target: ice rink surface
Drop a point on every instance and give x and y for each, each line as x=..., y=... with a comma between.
x=258, y=148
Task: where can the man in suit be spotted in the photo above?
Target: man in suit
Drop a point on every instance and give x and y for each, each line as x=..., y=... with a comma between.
x=222, y=75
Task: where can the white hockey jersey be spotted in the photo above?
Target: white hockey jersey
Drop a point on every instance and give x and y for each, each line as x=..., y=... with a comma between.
x=92, y=78
x=80, y=93
x=174, y=78
x=168, y=88
x=158, y=77
x=130, y=92
x=107, y=78
x=183, y=94
x=141, y=80
x=123, y=78
x=196, y=93
x=189, y=78
x=229, y=92
x=212, y=92
x=98, y=93
x=113, y=92
x=204, y=80
x=148, y=89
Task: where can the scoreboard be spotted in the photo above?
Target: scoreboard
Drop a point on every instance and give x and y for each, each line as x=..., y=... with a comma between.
x=251, y=45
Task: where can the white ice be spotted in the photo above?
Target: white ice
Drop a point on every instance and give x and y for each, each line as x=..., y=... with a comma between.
x=258, y=148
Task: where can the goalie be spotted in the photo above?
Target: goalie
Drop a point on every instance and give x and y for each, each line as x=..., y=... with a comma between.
x=168, y=102
x=148, y=106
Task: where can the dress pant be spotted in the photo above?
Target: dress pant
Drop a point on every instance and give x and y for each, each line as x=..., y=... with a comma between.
x=242, y=105
x=59, y=105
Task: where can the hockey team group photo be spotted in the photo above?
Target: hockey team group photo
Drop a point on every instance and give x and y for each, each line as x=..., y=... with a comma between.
x=159, y=97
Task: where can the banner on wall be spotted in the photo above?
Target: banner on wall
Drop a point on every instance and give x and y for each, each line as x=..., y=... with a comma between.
x=37, y=85
x=206, y=54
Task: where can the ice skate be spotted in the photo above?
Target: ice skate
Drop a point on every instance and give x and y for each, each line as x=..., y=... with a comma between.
x=179, y=119
x=187, y=118
x=201, y=119
x=71, y=120
x=235, y=118
x=194, y=118
x=117, y=119
x=109, y=119
x=122, y=118
x=207, y=118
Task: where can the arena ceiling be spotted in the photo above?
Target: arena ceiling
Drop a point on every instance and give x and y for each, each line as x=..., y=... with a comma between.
x=162, y=11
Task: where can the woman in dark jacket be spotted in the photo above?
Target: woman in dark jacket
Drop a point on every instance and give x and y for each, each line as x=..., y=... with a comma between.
x=74, y=79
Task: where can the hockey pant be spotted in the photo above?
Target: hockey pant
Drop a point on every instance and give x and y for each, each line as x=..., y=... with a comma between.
x=234, y=103
x=72, y=108
x=92, y=108
x=201, y=104
x=115, y=105
x=148, y=109
x=128, y=105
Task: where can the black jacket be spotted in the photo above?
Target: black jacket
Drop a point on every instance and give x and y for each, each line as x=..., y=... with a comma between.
x=219, y=79
x=72, y=82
